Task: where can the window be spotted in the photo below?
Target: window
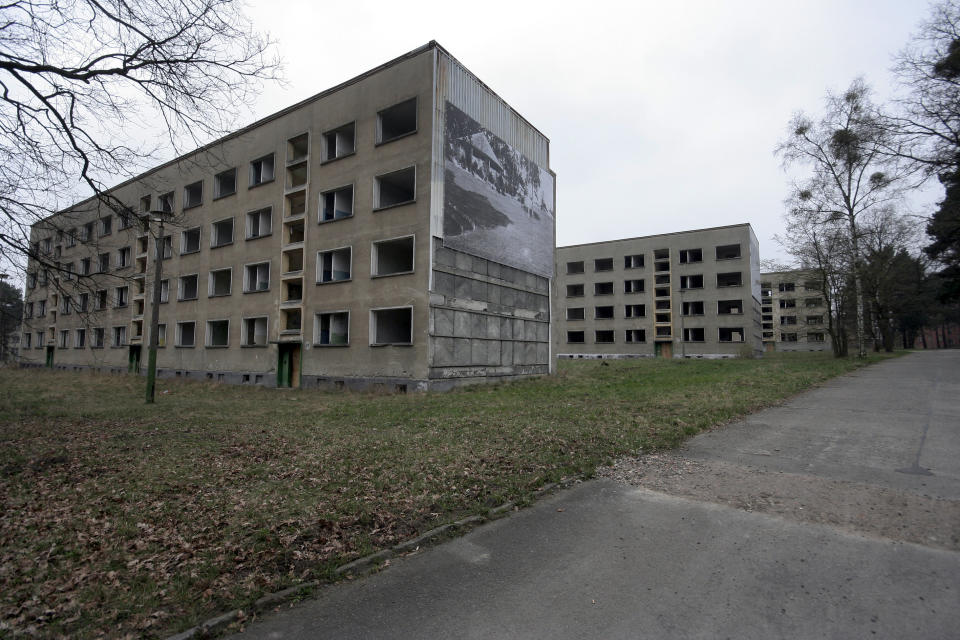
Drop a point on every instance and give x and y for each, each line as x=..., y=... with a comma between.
x=193, y=195
x=811, y=285
x=46, y=245
x=728, y=252
x=603, y=337
x=161, y=335
x=575, y=337
x=788, y=320
x=633, y=286
x=812, y=303
x=80, y=338
x=99, y=337
x=259, y=223
x=218, y=333
x=788, y=303
x=124, y=255
x=336, y=204
x=392, y=257
x=734, y=279
x=603, y=264
x=394, y=189
x=145, y=203
x=119, y=336
x=729, y=307
x=814, y=319
x=693, y=308
x=575, y=267
x=122, y=296
x=126, y=220
x=788, y=337
x=635, y=335
x=815, y=337
x=261, y=170
x=32, y=279
x=28, y=310
x=334, y=265
x=106, y=226
x=164, y=290
x=254, y=332
x=574, y=290
x=397, y=121
x=225, y=183
x=688, y=256
x=27, y=339
x=332, y=329
x=731, y=334
x=391, y=326
x=222, y=233
x=691, y=282
x=64, y=340
x=188, y=287
x=221, y=282
x=603, y=289
x=186, y=334
x=575, y=313
x=633, y=262
x=190, y=241
x=87, y=234
x=166, y=202
x=68, y=270
x=339, y=142
x=72, y=237
x=693, y=334
x=40, y=341
x=635, y=311
x=256, y=277
x=787, y=287
x=85, y=266
x=65, y=305
x=103, y=263
x=42, y=308
x=603, y=313
x=167, y=245
x=100, y=301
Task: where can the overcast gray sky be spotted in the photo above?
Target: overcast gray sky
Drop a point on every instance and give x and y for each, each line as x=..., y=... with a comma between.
x=662, y=116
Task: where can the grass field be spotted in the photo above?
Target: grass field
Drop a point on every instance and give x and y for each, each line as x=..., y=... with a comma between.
x=122, y=519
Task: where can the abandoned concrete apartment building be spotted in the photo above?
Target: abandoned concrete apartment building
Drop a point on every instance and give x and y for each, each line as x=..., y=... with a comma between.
x=794, y=312
x=395, y=230
x=686, y=294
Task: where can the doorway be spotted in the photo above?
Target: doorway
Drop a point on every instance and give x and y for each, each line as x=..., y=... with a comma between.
x=663, y=349
x=133, y=364
x=49, y=363
x=288, y=366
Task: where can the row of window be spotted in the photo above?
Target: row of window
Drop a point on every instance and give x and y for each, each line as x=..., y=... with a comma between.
x=388, y=326
x=766, y=288
x=733, y=279
x=813, y=336
x=691, y=308
x=791, y=303
x=636, y=261
x=694, y=334
x=790, y=320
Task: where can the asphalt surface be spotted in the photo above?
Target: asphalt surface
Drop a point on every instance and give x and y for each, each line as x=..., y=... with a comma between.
x=607, y=560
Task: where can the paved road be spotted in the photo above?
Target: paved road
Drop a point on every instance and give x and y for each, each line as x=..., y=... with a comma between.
x=608, y=560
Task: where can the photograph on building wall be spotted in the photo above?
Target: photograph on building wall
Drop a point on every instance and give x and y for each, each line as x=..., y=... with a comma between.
x=498, y=204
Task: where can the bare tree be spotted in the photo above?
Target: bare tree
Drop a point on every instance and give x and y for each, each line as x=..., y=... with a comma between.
x=80, y=78
x=851, y=174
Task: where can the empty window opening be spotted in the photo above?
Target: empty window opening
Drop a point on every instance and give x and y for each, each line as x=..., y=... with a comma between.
x=730, y=307
x=291, y=320
x=635, y=335
x=292, y=260
x=633, y=262
x=261, y=170
x=64, y=341
x=164, y=290
x=222, y=233
x=811, y=303
x=292, y=291
x=693, y=308
x=296, y=203
x=788, y=337
x=255, y=332
x=103, y=265
x=334, y=265
x=396, y=188
x=603, y=313
x=734, y=279
x=575, y=337
x=297, y=175
x=603, y=288
x=397, y=121
x=126, y=220
x=256, y=277
x=145, y=202
x=728, y=251
x=633, y=286
x=332, y=329
x=788, y=320
x=165, y=201
x=336, y=204
x=124, y=259
x=603, y=264
x=259, y=223
x=298, y=148
x=391, y=326
x=221, y=282
x=106, y=228
x=575, y=313
x=662, y=317
x=99, y=302
x=138, y=307
x=731, y=334
x=392, y=257
x=193, y=195
x=295, y=232
x=119, y=336
x=218, y=333
x=575, y=267
x=786, y=287
x=122, y=296
x=138, y=328
x=691, y=282
x=635, y=311
x=339, y=142
x=811, y=285
x=814, y=319
x=693, y=334
x=661, y=266
x=603, y=337
x=225, y=183
x=80, y=339
x=190, y=241
x=574, y=290
x=142, y=264
x=143, y=244
x=788, y=303
x=767, y=334
x=661, y=254
x=815, y=337
x=688, y=256
x=188, y=287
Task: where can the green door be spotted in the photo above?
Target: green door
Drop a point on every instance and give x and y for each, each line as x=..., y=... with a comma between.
x=50, y=357
x=284, y=365
x=133, y=366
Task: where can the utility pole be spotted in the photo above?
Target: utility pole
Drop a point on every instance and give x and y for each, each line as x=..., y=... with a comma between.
x=154, y=216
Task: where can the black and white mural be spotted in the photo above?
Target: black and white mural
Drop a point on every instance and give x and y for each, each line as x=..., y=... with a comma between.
x=498, y=204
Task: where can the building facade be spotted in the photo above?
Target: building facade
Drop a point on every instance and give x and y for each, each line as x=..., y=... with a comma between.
x=793, y=312
x=686, y=294
x=395, y=230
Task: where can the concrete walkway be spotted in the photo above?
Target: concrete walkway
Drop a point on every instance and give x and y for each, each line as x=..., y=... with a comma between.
x=607, y=560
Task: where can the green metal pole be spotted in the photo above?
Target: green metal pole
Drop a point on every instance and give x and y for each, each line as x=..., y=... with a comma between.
x=155, y=318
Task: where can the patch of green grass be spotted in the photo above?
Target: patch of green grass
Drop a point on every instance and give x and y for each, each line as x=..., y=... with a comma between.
x=121, y=518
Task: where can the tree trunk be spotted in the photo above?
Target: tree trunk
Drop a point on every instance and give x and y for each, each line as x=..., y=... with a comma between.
x=857, y=285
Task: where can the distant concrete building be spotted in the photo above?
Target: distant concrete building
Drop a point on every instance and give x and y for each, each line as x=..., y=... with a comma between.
x=396, y=230
x=685, y=294
x=793, y=312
